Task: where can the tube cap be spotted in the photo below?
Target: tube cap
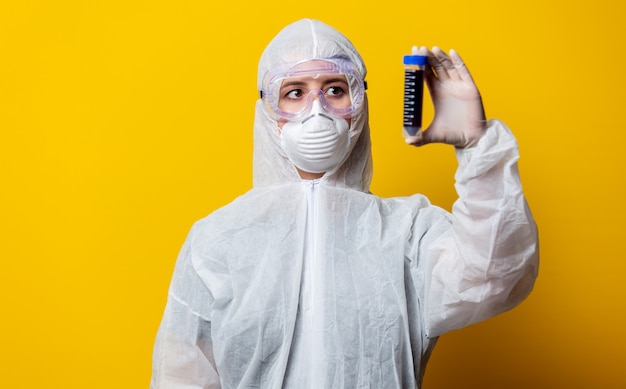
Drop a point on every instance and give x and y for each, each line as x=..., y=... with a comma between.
x=415, y=60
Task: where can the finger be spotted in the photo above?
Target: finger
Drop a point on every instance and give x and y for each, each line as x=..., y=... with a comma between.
x=426, y=138
x=430, y=74
x=423, y=50
x=451, y=66
x=430, y=78
x=441, y=63
x=416, y=140
x=460, y=66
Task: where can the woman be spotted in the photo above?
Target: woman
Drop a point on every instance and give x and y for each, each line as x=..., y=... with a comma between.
x=310, y=281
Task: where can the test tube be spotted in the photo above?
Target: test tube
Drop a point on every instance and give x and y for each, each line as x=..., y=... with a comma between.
x=414, y=66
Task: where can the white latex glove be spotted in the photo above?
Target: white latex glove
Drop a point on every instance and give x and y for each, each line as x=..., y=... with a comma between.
x=459, y=114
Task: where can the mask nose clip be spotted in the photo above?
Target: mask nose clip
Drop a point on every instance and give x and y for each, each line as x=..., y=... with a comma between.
x=316, y=105
x=317, y=109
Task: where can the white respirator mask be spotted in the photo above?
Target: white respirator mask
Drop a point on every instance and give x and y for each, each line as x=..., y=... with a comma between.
x=318, y=143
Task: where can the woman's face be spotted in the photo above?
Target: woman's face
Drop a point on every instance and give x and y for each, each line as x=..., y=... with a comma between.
x=299, y=92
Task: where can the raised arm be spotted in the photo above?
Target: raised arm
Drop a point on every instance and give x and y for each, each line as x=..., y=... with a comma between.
x=487, y=262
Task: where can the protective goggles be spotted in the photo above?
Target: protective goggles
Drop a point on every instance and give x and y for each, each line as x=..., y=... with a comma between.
x=289, y=91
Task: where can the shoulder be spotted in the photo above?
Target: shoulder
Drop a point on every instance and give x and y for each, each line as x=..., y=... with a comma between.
x=252, y=210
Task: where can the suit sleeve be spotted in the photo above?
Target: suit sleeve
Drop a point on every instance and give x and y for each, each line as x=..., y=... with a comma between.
x=486, y=261
x=183, y=352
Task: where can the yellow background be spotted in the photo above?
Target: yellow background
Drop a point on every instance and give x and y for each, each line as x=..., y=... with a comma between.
x=123, y=122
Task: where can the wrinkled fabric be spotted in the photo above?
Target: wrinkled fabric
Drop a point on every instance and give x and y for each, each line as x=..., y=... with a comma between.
x=321, y=284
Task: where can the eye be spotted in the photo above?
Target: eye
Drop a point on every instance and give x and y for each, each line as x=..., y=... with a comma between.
x=335, y=91
x=294, y=94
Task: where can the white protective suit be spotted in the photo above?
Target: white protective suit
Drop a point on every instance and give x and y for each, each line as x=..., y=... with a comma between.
x=321, y=284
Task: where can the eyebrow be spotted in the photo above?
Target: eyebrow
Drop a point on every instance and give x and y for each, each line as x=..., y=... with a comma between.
x=289, y=83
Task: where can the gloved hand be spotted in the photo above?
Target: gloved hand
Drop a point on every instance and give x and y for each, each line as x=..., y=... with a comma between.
x=459, y=114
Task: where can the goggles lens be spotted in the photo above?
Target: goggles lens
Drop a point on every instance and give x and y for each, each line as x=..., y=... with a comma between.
x=289, y=92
